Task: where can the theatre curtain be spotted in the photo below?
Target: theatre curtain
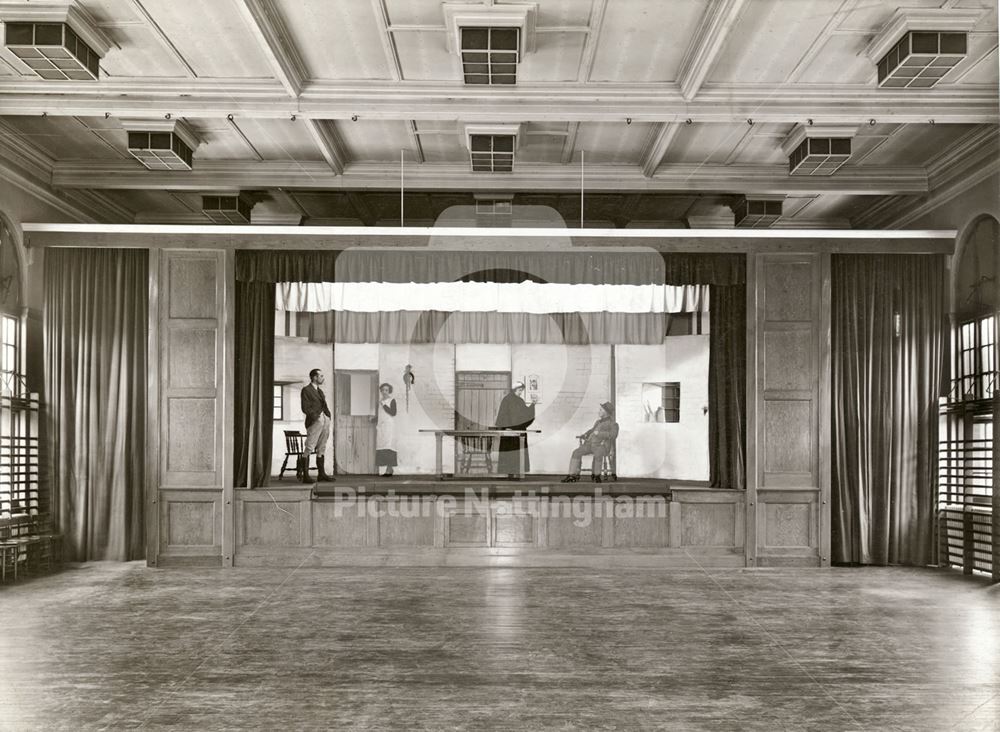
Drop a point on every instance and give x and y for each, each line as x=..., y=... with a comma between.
x=254, y=378
x=887, y=351
x=95, y=325
x=433, y=326
x=727, y=386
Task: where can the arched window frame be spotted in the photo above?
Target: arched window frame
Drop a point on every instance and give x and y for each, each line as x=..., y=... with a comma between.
x=969, y=418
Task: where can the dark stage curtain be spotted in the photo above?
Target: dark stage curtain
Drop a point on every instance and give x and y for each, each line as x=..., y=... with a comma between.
x=267, y=265
x=254, y=377
x=727, y=386
x=95, y=326
x=435, y=326
x=727, y=371
x=887, y=351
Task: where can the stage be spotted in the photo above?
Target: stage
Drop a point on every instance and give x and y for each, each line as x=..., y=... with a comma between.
x=534, y=522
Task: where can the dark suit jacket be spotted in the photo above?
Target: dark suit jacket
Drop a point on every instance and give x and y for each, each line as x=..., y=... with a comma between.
x=313, y=403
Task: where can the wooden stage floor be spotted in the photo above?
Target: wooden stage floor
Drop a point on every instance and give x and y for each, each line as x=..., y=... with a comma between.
x=121, y=646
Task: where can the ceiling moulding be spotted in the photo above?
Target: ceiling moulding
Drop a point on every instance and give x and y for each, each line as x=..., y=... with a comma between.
x=459, y=15
x=826, y=104
x=954, y=20
x=74, y=16
x=270, y=174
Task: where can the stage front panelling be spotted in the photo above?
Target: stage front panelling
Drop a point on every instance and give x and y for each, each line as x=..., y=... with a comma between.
x=687, y=527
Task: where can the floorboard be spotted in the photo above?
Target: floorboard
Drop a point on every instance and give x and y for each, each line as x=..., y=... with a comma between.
x=121, y=646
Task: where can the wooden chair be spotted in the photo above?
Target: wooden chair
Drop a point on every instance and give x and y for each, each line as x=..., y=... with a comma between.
x=476, y=449
x=295, y=446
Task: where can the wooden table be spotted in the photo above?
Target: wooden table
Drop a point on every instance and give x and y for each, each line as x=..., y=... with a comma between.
x=439, y=436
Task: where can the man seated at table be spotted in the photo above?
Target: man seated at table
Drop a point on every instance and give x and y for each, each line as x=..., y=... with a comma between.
x=597, y=441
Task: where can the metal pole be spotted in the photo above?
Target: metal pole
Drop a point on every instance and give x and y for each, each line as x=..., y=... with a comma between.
x=582, y=154
x=401, y=189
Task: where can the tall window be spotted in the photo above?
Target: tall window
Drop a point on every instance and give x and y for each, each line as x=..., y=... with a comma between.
x=970, y=412
x=19, y=409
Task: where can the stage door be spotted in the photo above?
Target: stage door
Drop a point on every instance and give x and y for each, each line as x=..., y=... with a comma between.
x=477, y=399
x=355, y=398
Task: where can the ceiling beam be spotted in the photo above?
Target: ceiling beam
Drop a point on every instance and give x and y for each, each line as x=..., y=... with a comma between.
x=210, y=174
x=264, y=21
x=215, y=236
x=328, y=141
x=656, y=148
x=716, y=23
x=596, y=24
x=594, y=102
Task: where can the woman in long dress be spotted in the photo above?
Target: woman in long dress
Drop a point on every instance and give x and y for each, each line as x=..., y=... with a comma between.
x=514, y=414
x=385, y=443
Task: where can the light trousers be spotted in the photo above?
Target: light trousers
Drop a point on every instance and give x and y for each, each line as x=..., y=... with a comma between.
x=317, y=435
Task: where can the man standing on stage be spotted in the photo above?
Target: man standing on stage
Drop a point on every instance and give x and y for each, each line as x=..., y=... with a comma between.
x=317, y=428
x=514, y=414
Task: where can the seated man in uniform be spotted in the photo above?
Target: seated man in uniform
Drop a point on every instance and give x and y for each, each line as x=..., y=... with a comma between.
x=597, y=441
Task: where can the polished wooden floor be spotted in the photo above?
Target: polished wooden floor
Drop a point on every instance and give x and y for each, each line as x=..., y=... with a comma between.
x=120, y=646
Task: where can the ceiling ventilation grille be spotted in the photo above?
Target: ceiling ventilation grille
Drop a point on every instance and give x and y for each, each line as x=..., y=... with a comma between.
x=490, y=55
x=757, y=212
x=818, y=149
x=52, y=50
x=492, y=153
x=921, y=58
x=819, y=156
x=232, y=209
x=160, y=150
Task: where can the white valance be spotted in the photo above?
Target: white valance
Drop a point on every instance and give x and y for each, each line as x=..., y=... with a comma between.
x=522, y=297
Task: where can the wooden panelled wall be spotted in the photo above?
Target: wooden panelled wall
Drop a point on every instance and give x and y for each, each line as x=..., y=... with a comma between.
x=190, y=477
x=190, y=502
x=788, y=410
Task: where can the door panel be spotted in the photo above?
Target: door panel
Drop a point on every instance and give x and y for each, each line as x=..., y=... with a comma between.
x=354, y=430
x=477, y=398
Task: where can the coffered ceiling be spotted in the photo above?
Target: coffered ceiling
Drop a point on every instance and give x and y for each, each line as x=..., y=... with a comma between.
x=665, y=110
